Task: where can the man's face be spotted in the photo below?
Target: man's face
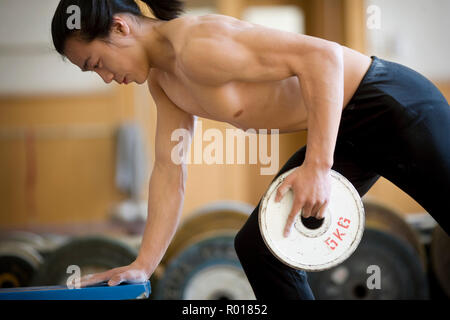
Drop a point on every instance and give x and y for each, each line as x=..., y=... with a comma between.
x=119, y=59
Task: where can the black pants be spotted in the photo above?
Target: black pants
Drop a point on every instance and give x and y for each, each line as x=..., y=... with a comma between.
x=397, y=125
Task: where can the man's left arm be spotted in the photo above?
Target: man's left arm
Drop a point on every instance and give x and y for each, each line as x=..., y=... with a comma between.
x=321, y=76
x=322, y=85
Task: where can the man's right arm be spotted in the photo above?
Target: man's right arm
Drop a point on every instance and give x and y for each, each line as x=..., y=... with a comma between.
x=167, y=182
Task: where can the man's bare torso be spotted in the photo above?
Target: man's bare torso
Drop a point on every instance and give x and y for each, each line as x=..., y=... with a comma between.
x=244, y=104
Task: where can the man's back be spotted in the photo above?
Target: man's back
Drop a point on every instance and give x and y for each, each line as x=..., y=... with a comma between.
x=230, y=70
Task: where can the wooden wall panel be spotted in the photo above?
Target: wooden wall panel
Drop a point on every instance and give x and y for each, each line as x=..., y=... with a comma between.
x=354, y=24
x=58, y=157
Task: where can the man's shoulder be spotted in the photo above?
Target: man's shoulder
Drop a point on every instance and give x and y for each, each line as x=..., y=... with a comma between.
x=193, y=27
x=180, y=26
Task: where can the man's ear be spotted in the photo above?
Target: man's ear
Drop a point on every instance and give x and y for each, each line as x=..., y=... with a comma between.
x=120, y=26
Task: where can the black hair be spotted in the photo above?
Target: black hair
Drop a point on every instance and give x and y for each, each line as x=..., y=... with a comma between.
x=97, y=17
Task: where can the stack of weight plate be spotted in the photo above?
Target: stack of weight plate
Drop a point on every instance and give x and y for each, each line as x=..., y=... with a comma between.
x=29, y=259
x=389, y=264
x=92, y=254
x=21, y=255
x=201, y=262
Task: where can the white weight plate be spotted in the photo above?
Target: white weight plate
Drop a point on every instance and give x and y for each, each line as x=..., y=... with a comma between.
x=313, y=249
x=220, y=281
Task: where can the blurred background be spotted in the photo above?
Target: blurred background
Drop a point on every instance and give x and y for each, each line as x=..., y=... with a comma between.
x=76, y=156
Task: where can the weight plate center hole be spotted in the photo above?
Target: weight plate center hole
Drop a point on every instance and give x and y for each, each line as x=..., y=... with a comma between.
x=312, y=223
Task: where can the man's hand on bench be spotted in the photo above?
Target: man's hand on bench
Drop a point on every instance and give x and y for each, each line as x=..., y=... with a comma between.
x=133, y=273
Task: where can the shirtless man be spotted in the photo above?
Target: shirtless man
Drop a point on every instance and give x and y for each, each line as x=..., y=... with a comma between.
x=366, y=117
